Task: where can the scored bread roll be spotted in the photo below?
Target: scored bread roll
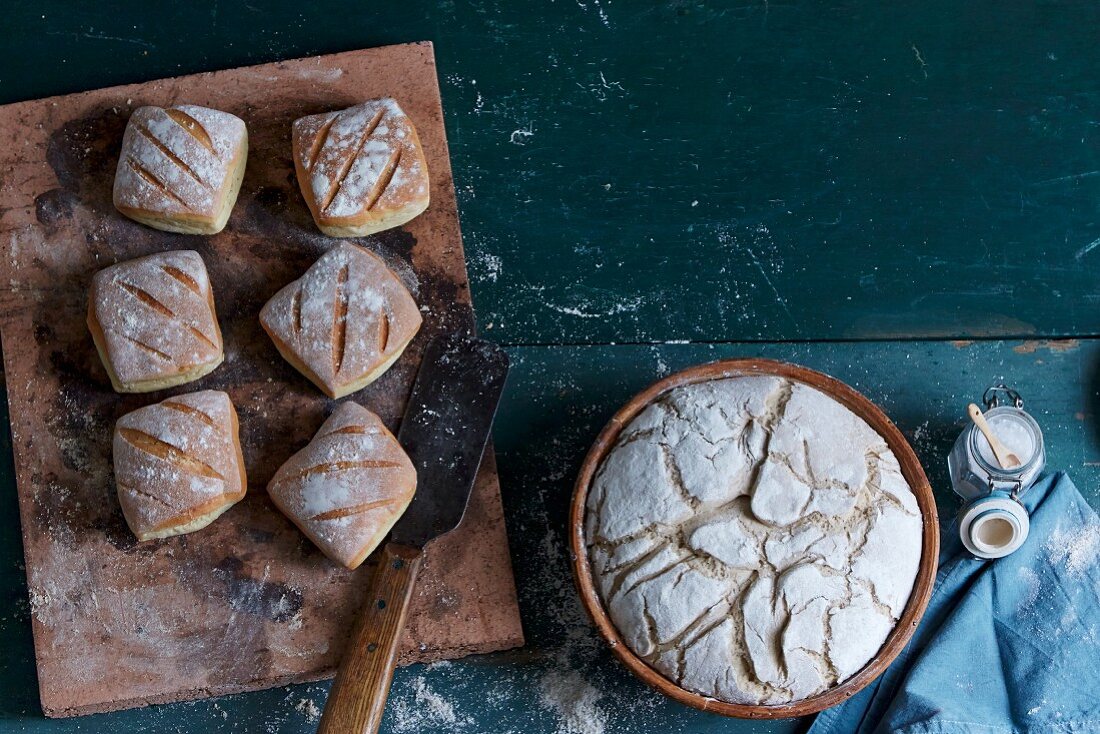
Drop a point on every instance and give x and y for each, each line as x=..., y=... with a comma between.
x=181, y=168
x=361, y=170
x=178, y=464
x=153, y=322
x=344, y=322
x=348, y=486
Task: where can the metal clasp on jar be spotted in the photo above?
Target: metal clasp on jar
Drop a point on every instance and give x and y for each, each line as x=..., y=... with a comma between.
x=991, y=396
x=1015, y=493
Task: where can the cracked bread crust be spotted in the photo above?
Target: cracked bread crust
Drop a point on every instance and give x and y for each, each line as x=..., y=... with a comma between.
x=361, y=170
x=752, y=539
x=348, y=486
x=178, y=464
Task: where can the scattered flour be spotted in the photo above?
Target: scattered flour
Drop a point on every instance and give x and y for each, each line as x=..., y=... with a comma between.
x=488, y=266
x=520, y=135
x=662, y=366
x=426, y=709
x=40, y=599
x=1077, y=550
x=307, y=707
x=574, y=700
x=1030, y=582
x=586, y=310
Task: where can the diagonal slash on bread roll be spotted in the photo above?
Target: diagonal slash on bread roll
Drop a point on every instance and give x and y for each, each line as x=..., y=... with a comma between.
x=153, y=321
x=344, y=322
x=178, y=464
x=181, y=168
x=361, y=170
x=348, y=486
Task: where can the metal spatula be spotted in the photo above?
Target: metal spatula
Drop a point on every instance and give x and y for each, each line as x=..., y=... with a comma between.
x=444, y=431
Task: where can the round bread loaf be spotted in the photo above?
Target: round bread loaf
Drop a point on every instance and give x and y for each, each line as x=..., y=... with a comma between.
x=752, y=539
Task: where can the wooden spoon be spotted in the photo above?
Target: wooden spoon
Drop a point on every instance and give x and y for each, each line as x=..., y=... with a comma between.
x=1005, y=458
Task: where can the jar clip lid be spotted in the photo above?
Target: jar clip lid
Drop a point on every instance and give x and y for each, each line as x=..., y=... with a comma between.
x=993, y=395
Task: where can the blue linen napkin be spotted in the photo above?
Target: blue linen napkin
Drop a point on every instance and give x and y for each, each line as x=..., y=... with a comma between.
x=1011, y=645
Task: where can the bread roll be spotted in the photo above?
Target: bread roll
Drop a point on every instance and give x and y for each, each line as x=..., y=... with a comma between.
x=344, y=322
x=181, y=168
x=153, y=321
x=347, y=488
x=361, y=170
x=178, y=464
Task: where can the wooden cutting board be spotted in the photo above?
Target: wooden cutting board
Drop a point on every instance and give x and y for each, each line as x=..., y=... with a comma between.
x=248, y=602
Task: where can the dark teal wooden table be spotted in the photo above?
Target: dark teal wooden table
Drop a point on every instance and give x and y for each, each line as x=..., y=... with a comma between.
x=645, y=186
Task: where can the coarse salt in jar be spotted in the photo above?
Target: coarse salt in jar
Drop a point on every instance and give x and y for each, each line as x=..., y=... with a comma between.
x=992, y=522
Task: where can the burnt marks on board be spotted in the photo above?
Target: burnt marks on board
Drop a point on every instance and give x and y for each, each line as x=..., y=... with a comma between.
x=271, y=600
x=83, y=153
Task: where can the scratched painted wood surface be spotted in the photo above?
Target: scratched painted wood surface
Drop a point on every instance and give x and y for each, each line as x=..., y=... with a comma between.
x=650, y=172
x=780, y=169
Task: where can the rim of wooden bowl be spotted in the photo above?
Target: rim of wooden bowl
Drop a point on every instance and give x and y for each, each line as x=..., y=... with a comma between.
x=910, y=467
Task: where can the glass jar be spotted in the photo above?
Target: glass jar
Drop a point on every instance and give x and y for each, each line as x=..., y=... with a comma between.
x=993, y=523
x=975, y=471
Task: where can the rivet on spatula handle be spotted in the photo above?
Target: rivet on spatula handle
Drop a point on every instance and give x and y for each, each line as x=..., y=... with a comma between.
x=357, y=700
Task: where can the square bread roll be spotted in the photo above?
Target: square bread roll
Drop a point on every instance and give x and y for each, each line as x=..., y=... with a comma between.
x=344, y=322
x=348, y=486
x=361, y=170
x=153, y=321
x=178, y=464
x=181, y=168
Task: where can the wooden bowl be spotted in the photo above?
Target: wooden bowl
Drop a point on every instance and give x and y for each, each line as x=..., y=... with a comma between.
x=910, y=468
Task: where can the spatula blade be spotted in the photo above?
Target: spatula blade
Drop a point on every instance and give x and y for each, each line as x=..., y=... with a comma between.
x=445, y=429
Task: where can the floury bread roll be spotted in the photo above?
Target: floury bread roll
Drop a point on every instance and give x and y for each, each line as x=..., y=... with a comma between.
x=344, y=322
x=153, y=321
x=181, y=168
x=348, y=486
x=178, y=464
x=361, y=170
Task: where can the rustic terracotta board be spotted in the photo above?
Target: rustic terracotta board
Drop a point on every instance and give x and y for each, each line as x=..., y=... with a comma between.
x=247, y=603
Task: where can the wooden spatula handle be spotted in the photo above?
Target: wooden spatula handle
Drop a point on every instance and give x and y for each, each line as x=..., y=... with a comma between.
x=358, y=697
